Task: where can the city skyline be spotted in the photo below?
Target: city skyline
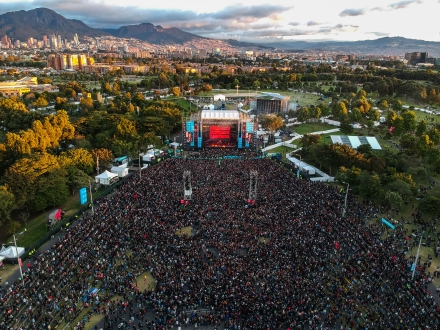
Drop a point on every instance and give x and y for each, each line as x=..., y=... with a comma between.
x=259, y=21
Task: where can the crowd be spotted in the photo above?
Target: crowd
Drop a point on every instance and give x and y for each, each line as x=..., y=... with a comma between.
x=292, y=262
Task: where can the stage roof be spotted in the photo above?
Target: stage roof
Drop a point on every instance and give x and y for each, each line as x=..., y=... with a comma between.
x=220, y=114
x=356, y=141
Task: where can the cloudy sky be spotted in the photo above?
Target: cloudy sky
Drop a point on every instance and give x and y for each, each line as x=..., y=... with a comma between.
x=258, y=20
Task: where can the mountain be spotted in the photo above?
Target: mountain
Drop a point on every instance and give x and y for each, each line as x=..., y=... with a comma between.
x=153, y=34
x=37, y=22
x=386, y=45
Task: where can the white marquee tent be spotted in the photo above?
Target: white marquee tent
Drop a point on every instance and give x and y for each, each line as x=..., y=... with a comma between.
x=121, y=171
x=106, y=178
x=219, y=97
x=10, y=253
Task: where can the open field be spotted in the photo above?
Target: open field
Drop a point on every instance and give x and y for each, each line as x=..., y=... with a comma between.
x=184, y=231
x=8, y=270
x=311, y=127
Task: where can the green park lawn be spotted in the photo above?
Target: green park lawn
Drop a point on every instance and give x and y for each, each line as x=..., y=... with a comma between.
x=311, y=127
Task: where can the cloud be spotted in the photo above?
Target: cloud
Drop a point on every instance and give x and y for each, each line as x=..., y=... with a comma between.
x=256, y=12
x=296, y=23
x=403, y=4
x=353, y=12
x=379, y=34
x=397, y=5
x=313, y=23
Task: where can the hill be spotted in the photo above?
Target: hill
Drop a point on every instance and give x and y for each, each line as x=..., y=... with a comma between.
x=37, y=22
x=386, y=45
x=153, y=34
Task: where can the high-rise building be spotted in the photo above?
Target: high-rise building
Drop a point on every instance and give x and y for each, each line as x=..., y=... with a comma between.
x=75, y=40
x=59, y=41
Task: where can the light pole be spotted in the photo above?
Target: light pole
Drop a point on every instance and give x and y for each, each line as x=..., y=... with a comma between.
x=18, y=258
x=345, y=202
x=417, y=257
x=91, y=197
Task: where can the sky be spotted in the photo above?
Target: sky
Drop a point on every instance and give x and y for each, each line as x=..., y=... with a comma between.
x=258, y=20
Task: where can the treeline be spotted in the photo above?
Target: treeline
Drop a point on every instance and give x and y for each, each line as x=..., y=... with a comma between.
x=44, y=158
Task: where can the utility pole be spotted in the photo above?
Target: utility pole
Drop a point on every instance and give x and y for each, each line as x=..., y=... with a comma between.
x=18, y=261
x=97, y=165
x=91, y=197
x=417, y=257
x=345, y=202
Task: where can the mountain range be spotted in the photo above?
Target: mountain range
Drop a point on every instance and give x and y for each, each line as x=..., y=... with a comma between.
x=37, y=22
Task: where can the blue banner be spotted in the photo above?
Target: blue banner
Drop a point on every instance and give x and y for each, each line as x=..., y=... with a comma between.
x=83, y=195
x=387, y=223
x=249, y=127
x=190, y=126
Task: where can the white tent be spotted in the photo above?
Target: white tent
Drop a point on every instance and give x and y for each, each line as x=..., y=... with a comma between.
x=121, y=171
x=10, y=253
x=208, y=107
x=219, y=97
x=174, y=145
x=240, y=105
x=106, y=178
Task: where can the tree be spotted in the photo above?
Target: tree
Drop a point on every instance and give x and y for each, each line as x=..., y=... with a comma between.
x=401, y=187
x=303, y=114
x=104, y=155
x=430, y=205
x=340, y=110
x=370, y=187
x=310, y=139
x=80, y=158
x=374, y=115
x=6, y=204
x=51, y=190
x=23, y=175
x=409, y=121
x=271, y=122
x=76, y=179
x=345, y=125
x=393, y=199
x=176, y=91
x=421, y=128
x=355, y=115
x=383, y=105
x=41, y=102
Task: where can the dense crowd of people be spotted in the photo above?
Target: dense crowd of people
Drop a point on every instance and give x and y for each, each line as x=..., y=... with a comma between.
x=289, y=262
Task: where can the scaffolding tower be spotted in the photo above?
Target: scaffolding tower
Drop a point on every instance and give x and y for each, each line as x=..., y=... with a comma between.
x=187, y=189
x=253, y=185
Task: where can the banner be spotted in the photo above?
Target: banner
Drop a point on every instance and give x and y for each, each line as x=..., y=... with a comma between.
x=83, y=195
x=387, y=223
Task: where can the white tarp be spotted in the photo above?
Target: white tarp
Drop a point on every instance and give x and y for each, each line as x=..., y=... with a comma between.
x=219, y=97
x=106, y=178
x=120, y=171
x=10, y=253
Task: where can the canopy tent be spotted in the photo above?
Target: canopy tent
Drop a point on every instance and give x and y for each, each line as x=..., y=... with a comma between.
x=106, y=178
x=219, y=97
x=10, y=253
x=174, y=145
x=121, y=171
x=54, y=216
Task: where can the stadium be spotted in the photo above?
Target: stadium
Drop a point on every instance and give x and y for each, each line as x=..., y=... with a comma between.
x=144, y=259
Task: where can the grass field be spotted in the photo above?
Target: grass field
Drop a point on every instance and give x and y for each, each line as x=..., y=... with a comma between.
x=145, y=281
x=36, y=227
x=7, y=272
x=184, y=231
x=311, y=127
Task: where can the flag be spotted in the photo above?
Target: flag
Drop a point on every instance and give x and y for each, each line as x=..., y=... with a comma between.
x=19, y=262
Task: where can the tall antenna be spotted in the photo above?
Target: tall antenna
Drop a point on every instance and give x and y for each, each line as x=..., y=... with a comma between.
x=253, y=185
x=187, y=189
